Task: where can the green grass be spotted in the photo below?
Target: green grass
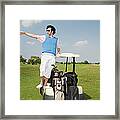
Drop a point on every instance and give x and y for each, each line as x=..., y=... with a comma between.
x=29, y=78
x=88, y=76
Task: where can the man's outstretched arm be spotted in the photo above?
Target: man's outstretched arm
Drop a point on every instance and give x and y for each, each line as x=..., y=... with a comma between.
x=41, y=38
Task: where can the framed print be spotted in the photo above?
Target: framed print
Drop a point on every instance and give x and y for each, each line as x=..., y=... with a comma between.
x=60, y=59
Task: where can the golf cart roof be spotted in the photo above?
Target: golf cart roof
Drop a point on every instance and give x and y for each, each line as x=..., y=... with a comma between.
x=63, y=55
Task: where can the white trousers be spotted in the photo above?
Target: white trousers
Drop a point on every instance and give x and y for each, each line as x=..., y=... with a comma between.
x=47, y=60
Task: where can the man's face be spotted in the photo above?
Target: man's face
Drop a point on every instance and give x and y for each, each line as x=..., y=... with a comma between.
x=49, y=32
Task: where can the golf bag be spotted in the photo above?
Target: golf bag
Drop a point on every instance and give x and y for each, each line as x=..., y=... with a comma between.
x=64, y=85
x=71, y=90
x=57, y=83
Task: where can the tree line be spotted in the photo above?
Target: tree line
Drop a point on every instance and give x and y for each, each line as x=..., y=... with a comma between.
x=34, y=60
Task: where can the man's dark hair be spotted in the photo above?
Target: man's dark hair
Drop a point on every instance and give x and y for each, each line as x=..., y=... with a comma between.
x=52, y=28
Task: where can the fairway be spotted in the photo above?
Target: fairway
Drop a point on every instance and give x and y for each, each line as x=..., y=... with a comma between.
x=88, y=78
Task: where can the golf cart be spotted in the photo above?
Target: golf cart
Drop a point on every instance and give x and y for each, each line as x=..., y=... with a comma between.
x=63, y=85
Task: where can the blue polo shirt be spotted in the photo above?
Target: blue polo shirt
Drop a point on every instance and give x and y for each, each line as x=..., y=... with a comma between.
x=49, y=45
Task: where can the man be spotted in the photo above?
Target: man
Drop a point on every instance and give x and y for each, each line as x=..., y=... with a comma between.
x=49, y=46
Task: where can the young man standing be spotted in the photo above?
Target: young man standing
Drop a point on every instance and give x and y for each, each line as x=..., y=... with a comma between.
x=50, y=45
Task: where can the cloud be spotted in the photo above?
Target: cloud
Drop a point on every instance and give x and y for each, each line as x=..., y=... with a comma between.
x=81, y=43
x=30, y=42
x=29, y=23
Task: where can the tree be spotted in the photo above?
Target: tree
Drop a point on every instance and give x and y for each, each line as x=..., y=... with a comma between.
x=30, y=61
x=22, y=60
x=38, y=60
x=34, y=60
x=86, y=62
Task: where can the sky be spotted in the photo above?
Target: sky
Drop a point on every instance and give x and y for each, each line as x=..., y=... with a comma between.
x=76, y=36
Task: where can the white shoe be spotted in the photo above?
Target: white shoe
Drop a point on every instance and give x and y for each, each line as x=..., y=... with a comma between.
x=39, y=86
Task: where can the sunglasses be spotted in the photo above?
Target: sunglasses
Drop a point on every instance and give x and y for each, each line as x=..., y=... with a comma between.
x=48, y=30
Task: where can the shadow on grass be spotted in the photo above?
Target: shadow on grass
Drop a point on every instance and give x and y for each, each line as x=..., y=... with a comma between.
x=84, y=96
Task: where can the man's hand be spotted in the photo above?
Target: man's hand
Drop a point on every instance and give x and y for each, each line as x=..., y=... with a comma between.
x=22, y=33
x=58, y=55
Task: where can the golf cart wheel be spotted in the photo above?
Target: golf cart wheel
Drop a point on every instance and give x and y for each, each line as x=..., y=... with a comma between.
x=44, y=97
x=76, y=97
